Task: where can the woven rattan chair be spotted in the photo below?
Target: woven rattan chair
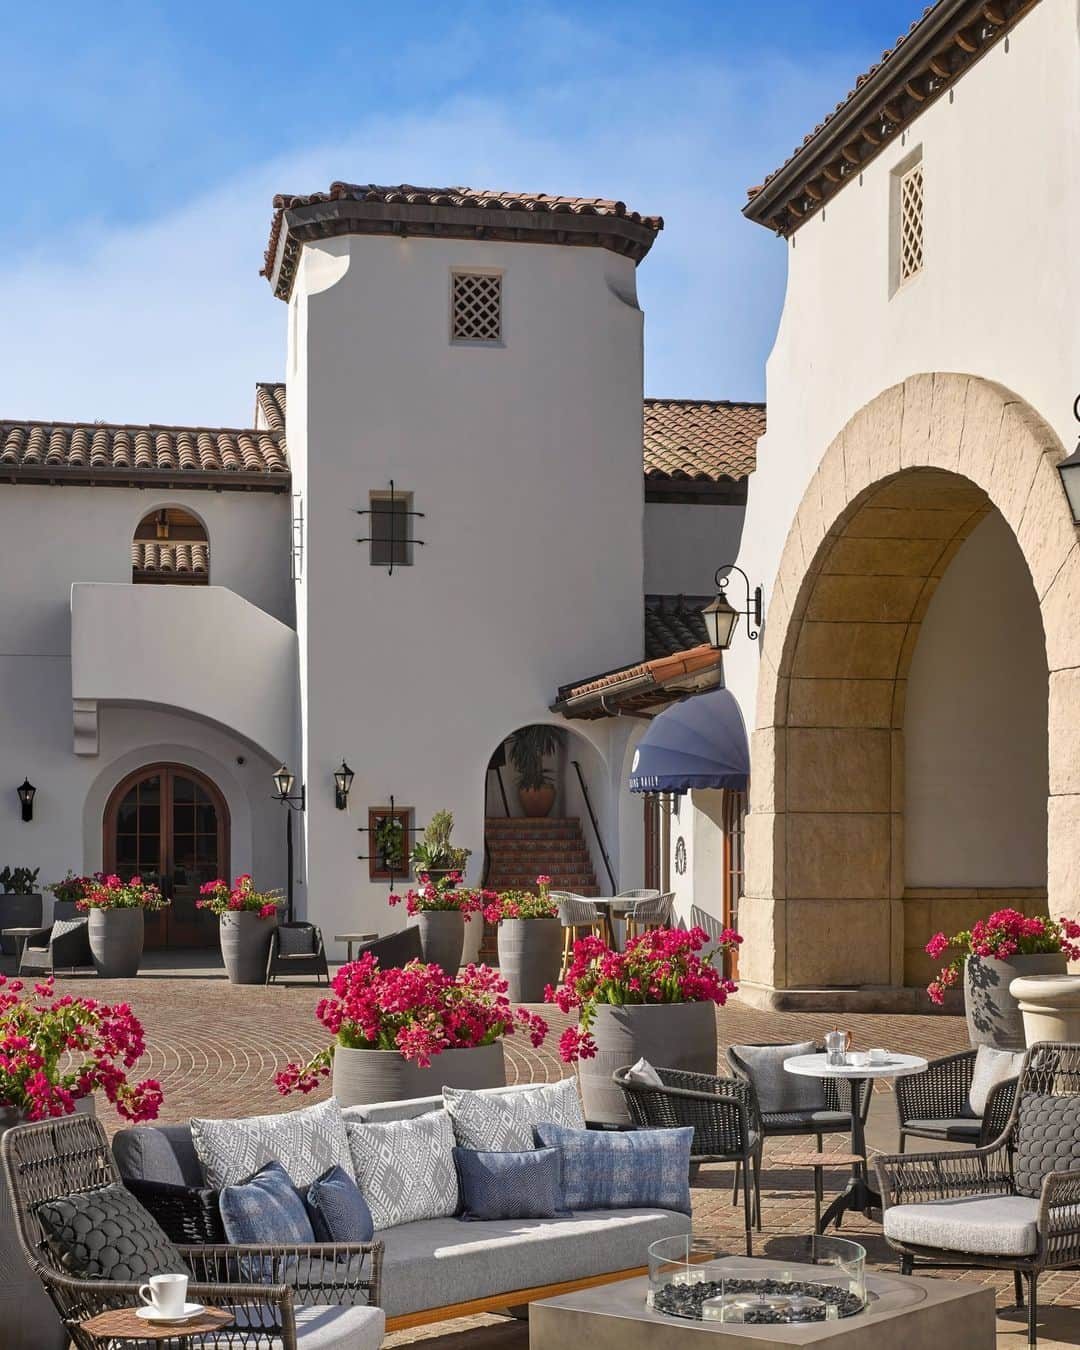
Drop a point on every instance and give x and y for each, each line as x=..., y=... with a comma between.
x=575, y=913
x=651, y=912
x=61, y=944
x=724, y=1117
x=933, y=1104
x=297, y=949
x=321, y=1292
x=834, y=1119
x=972, y=1195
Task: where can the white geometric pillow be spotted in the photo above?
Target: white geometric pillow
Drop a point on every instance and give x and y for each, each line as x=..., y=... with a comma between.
x=502, y=1122
x=405, y=1168
x=304, y=1142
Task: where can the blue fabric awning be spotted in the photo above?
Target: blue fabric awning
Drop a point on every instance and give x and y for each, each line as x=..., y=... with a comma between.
x=698, y=743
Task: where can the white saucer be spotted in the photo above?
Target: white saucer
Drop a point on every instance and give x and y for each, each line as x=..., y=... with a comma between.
x=149, y=1314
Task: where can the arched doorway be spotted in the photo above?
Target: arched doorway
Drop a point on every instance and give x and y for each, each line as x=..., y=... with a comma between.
x=169, y=823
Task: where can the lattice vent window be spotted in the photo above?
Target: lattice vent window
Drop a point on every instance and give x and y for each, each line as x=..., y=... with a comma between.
x=911, y=222
x=476, y=307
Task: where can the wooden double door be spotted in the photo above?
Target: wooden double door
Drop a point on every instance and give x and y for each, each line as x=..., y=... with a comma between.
x=169, y=824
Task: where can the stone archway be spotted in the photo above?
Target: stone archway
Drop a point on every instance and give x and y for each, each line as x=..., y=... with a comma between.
x=893, y=500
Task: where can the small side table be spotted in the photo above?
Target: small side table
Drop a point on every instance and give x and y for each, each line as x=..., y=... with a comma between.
x=350, y=938
x=21, y=937
x=818, y=1161
x=122, y=1324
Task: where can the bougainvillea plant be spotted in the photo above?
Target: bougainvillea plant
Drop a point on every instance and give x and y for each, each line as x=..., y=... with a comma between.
x=219, y=898
x=521, y=904
x=663, y=966
x=55, y=1051
x=438, y=895
x=418, y=1010
x=73, y=887
x=109, y=892
x=1005, y=933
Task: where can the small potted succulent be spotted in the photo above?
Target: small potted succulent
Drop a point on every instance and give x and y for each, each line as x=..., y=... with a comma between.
x=655, y=1000
x=246, y=921
x=407, y=1033
x=434, y=855
x=117, y=924
x=529, y=938
x=21, y=905
x=440, y=909
x=530, y=747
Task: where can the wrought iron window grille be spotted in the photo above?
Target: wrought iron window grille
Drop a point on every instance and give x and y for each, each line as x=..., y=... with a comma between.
x=386, y=508
x=392, y=875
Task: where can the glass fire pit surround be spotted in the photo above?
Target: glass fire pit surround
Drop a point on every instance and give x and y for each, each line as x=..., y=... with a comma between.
x=824, y=1282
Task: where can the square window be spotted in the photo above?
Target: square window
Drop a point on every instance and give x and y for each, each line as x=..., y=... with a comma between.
x=475, y=307
x=391, y=529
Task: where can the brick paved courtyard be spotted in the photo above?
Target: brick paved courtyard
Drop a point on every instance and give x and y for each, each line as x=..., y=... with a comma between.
x=216, y=1047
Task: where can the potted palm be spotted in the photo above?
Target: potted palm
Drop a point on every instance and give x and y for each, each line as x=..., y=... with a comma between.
x=529, y=938
x=434, y=855
x=21, y=906
x=653, y=1001
x=440, y=909
x=530, y=747
x=406, y=1033
x=246, y=921
x=117, y=925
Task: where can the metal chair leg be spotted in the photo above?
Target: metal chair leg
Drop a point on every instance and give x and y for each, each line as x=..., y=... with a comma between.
x=819, y=1194
x=1033, y=1279
x=757, y=1189
x=747, y=1210
x=1018, y=1288
x=735, y=1185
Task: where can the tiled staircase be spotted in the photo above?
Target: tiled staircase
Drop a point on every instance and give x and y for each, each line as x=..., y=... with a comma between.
x=521, y=848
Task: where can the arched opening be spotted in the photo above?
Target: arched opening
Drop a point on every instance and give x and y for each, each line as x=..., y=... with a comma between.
x=169, y=823
x=170, y=545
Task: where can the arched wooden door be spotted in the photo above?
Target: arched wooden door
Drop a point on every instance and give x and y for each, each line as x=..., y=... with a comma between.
x=169, y=823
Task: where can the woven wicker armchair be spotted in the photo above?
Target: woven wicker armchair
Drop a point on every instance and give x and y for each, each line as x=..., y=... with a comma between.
x=576, y=912
x=933, y=1104
x=1003, y=1228
x=723, y=1113
x=652, y=912
x=321, y=1291
x=834, y=1119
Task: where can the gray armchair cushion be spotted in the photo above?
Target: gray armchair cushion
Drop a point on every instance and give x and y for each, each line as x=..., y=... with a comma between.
x=339, y=1328
x=806, y=1121
x=991, y=1068
x=163, y=1153
x=297, y=939
x=985, y=1225
x=778, y=1090
x=955, y=1127
x=1047, y=1139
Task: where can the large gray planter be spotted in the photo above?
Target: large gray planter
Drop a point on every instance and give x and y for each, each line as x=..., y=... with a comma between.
x=27, y=1316
x=245, y=945
x=362, y=1076
x=116, y=942
x=442, y=937
x=668, y=1035
x=530, y=954
x=993, y=1014
x=18, y=911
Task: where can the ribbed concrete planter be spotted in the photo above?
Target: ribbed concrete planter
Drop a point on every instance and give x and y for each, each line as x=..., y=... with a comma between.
x=993, y=1014
x=28, y=1318
x=1049, y=1005
x=668, y=1035
x=18, y=911
x=245, y=945
x=116, y=942
x=362, y=1076
x=472, y=940
x=442, y=937
x=530, y=953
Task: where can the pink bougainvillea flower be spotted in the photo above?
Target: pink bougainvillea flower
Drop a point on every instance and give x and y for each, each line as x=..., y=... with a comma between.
x=1002, y=934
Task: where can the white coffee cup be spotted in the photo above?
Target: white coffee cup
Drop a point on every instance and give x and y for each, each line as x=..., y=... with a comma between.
x=166, y=1294
x=878, y=1056
x=858, y=1059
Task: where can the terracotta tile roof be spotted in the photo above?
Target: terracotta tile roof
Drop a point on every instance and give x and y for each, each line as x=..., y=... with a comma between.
x=368, y=208
x=645, y=688
x=701, y=440
x=937, y=49
x=270, y=406
x=673, y=623
x=174, y=559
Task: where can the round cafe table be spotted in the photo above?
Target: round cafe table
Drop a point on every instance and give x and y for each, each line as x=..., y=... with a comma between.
x=858, y=1194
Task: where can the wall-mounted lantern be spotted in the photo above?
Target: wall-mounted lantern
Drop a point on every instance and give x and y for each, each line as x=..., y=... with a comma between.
x=343, y=781
x=26, y=791
x=1069, y=469
x=721, y=617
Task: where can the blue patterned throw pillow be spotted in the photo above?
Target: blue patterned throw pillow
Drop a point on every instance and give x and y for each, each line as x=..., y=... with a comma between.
x=601, y=1169
x=508, y=1185
x=338, y=1212
x=265, y=1208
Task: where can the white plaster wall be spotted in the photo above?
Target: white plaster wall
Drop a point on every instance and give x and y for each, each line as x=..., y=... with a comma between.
x=686, y=542
x=997, y=296
x=526, y=459
x=975, y=739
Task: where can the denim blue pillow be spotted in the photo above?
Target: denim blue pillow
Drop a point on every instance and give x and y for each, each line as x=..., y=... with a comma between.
x=265, y=1208
x=509, y=1185
x=602, y=1169
x=337, y=1210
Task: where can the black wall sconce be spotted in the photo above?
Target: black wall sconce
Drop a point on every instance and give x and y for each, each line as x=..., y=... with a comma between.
x=1069, y=469
x=26, y=791
x=343, y=781
x=720, y=616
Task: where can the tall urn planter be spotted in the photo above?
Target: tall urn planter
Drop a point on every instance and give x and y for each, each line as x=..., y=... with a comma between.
x=245, y=945
x=363, y=1076
x=530, y=954
x=116, y=942
x=442, y=937
x=993, y=1013
x=669, y=1035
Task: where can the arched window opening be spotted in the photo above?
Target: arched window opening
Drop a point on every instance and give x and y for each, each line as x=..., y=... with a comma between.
x=171, y=546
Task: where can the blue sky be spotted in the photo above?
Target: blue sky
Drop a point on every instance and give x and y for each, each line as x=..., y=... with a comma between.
x=142, y=144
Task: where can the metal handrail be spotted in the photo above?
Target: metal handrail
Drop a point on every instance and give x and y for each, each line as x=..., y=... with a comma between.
x=596, y=827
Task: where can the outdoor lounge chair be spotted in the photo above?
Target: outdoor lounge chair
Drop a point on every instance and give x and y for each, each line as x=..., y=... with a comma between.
x=296, y=949
x=324, y=1295
x=934, y=1104
x=1012, y=1205
x=395, y=949
x=63, y=944
x=650, y=911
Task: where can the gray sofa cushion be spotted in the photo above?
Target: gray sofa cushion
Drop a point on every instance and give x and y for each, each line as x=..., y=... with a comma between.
x=164, y=1153
x=503, y=1121
x=1047, y=1139
x=778, y=1090
x=986, y=1225
x=441, y=1261
x=806, y=1121
x=339, y=1328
